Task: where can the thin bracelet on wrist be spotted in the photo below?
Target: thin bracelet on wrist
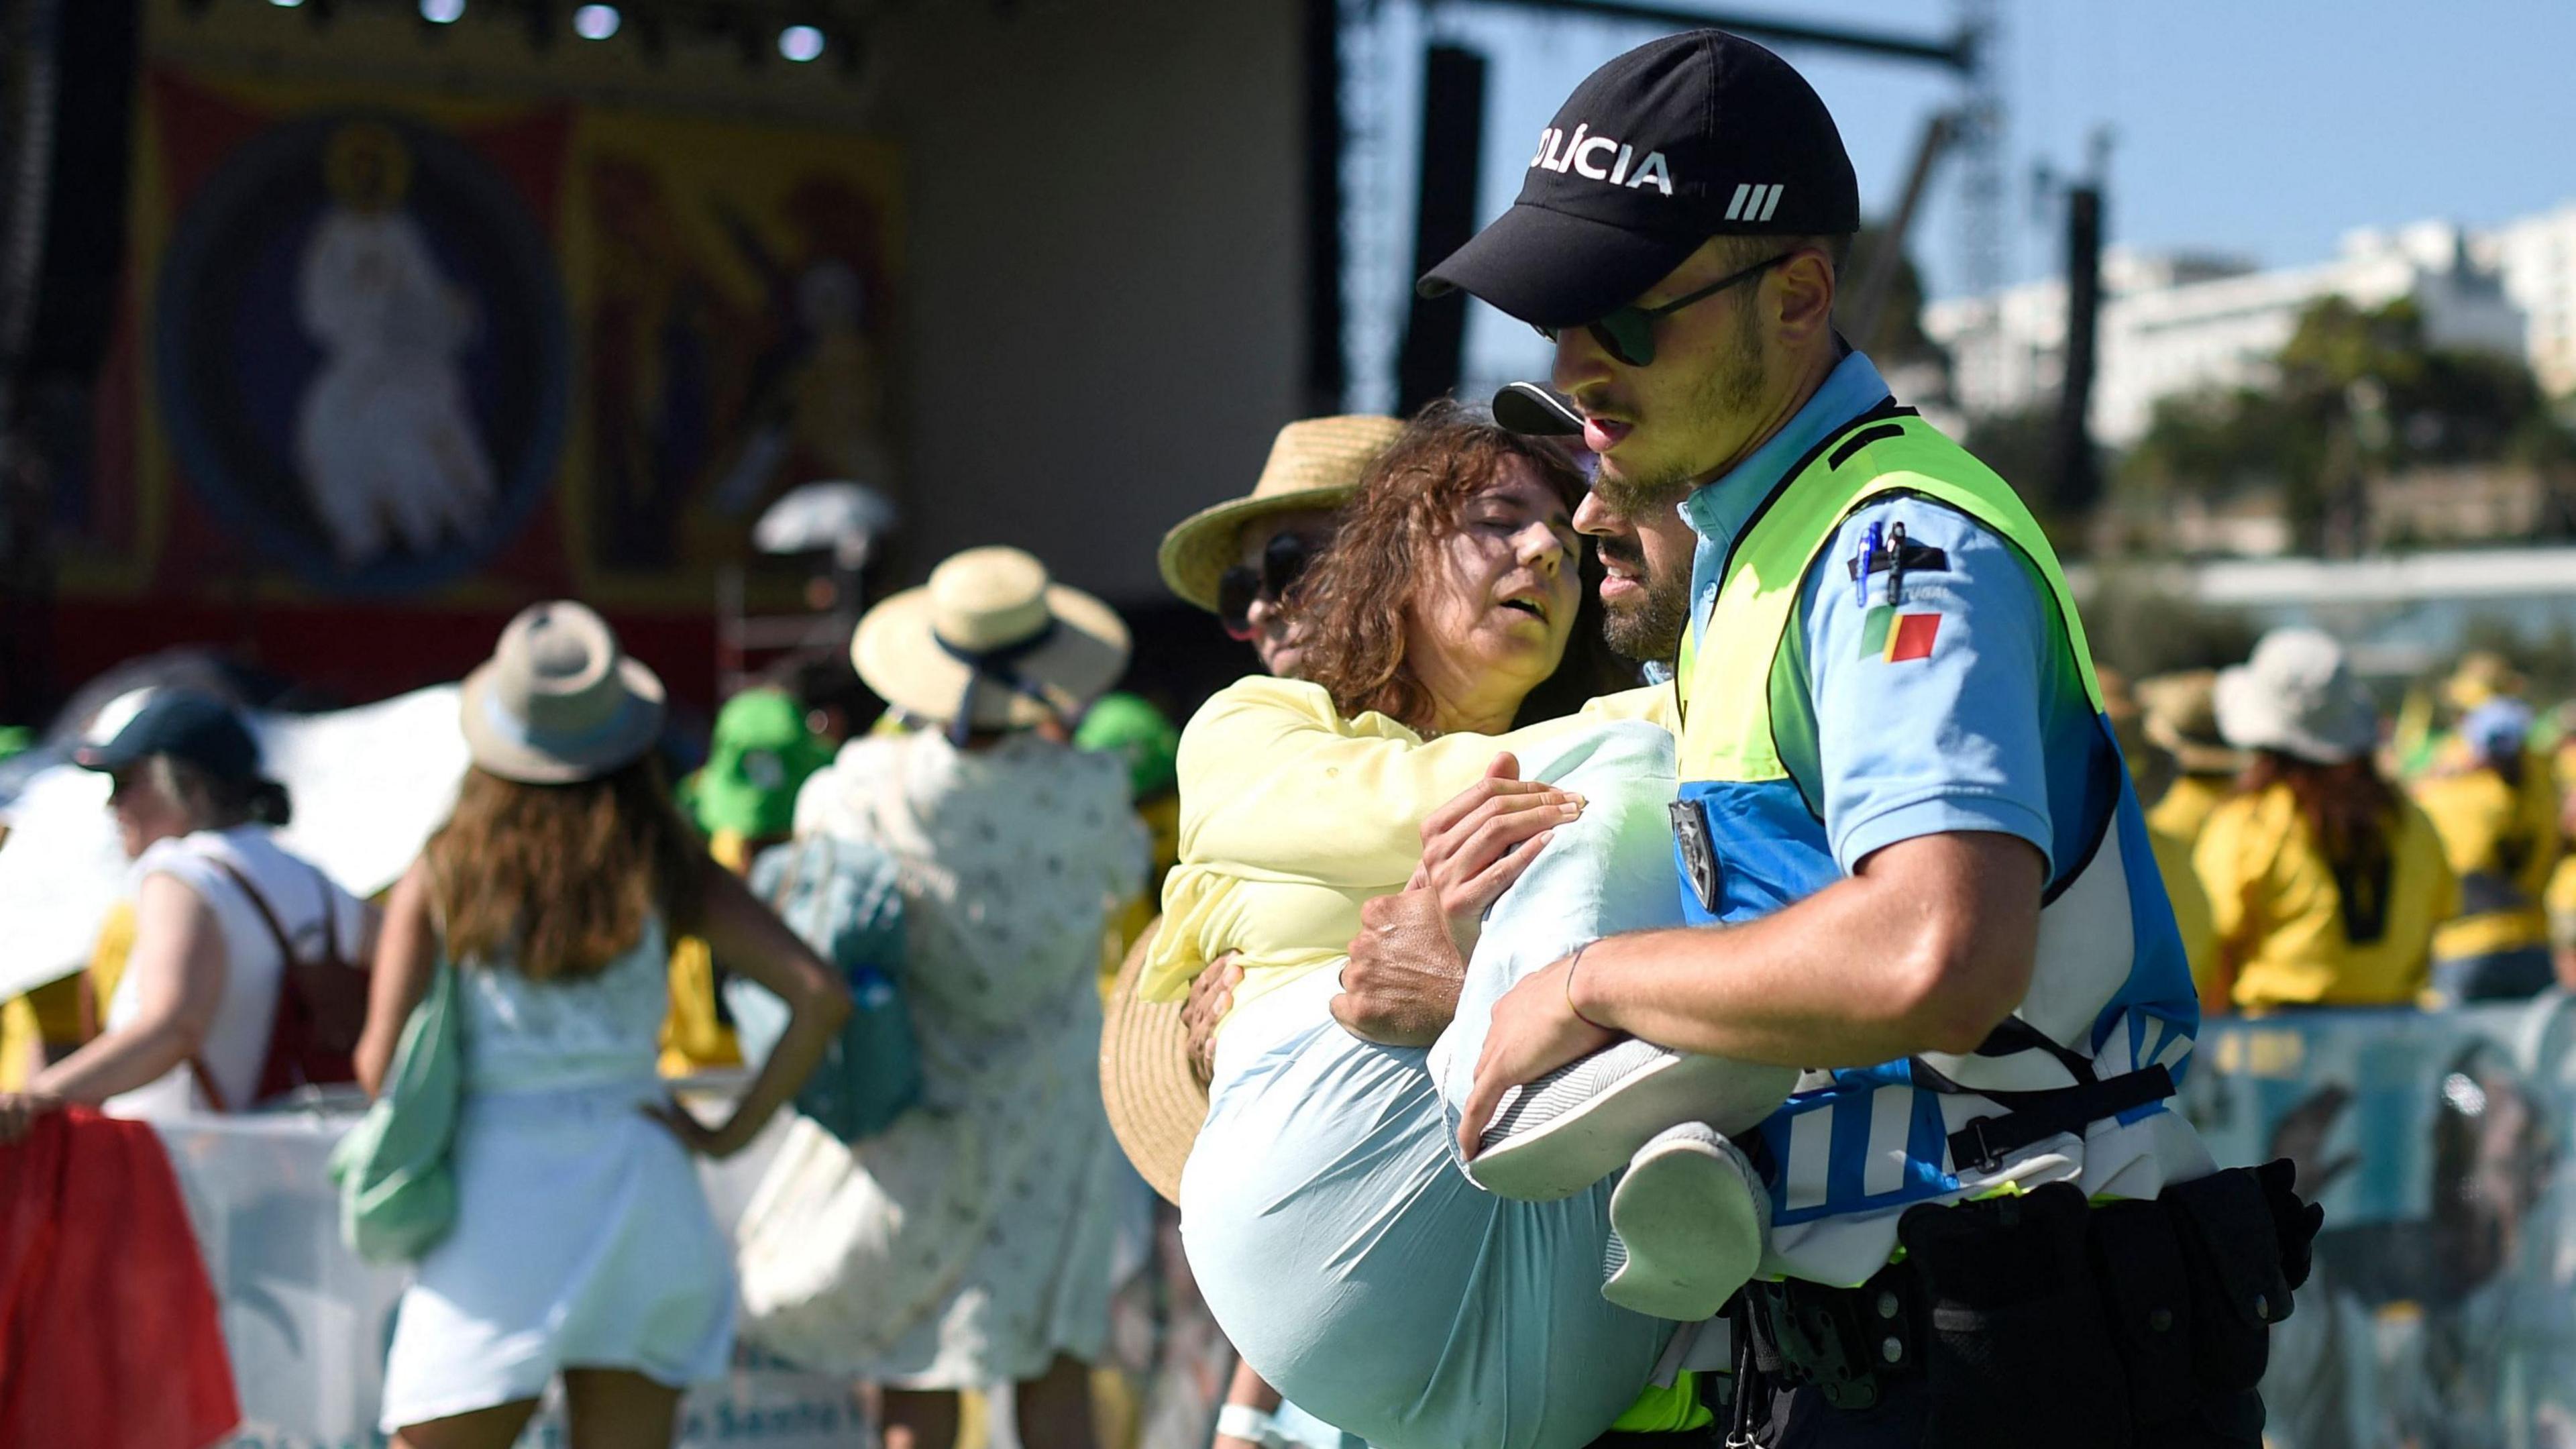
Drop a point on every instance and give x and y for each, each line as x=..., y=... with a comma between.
x=1570, y=967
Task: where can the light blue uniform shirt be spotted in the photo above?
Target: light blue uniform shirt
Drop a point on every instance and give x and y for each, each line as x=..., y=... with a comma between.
x=1979, y=714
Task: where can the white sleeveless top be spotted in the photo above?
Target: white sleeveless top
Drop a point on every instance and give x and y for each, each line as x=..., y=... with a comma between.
x=307, y=903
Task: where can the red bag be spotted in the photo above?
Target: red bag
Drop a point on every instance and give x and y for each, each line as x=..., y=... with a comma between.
x=321, y=1008
x=109, y=1336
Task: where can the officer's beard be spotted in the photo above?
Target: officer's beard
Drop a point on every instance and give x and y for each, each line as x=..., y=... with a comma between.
x=1649, y=632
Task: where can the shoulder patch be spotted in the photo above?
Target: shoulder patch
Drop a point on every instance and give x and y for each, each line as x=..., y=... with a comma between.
x=1896, y=636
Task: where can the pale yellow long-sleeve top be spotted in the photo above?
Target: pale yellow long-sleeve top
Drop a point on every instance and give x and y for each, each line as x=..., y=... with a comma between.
x=1292, y=817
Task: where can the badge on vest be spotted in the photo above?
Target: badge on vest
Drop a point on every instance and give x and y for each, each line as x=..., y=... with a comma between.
x=1698, y=849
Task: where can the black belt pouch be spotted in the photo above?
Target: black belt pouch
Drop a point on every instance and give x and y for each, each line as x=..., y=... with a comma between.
x=2238, y=1282
x=2018, y=1343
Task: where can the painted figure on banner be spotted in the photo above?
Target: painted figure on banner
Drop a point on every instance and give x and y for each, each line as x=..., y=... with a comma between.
x=385, y=439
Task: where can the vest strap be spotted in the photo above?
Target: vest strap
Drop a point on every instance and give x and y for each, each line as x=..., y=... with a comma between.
x=1984, y=1143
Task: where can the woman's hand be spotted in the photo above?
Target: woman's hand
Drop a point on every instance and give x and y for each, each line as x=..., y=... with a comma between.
x=1477, y=845
x=19, y=1111
x=698, y=1137
x=1211, y=997
x=1534, y=1032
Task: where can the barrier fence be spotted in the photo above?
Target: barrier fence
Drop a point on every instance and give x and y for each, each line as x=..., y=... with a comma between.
x=2442, y=1312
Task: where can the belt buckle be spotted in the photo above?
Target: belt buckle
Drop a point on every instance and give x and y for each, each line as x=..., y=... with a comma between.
x=1986, y=1158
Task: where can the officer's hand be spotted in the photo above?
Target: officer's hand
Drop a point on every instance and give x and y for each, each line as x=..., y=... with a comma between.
x=1401, y=986
x=1476, y=845
x=1211, y=996
x=1534, y=1032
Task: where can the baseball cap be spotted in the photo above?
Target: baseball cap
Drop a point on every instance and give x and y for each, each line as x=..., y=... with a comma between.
x=1692, y=136
x=191, y=727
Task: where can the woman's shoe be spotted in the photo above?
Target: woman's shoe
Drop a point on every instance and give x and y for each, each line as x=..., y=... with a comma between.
x=1686, y=1226
x=1578, y=1124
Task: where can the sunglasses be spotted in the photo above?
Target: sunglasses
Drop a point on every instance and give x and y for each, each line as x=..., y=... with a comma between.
x=1283, y=562
x=1629, y=333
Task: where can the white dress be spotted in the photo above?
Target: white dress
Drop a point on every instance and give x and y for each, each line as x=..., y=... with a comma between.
x=582, y=1236
x=989, y=1216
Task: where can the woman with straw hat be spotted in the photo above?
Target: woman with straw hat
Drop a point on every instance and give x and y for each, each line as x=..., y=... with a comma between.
x=1013, y=848
x=582, y=1244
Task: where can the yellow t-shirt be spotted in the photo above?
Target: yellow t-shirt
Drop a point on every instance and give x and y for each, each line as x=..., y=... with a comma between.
x=695, y=1037
x=2186, y=804
x=2192, y=919
x=2502, y=842
x=2280, y=915
x=1293, y=817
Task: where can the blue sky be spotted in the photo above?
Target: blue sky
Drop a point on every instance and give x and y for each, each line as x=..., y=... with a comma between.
x=2261, y=127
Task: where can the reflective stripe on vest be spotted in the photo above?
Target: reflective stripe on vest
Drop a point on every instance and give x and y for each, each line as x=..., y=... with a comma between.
x=2103, y=990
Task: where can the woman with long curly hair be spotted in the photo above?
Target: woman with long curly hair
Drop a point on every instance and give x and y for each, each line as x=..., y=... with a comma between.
x=1331, y=1228
x=582, y=1244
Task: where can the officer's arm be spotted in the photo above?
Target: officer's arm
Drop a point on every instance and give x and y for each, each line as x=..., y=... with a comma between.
x=1926, y=948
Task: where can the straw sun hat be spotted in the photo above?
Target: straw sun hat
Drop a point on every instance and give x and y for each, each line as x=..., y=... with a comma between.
x=990, y=643
x=559, y=701
x=2180, y=718
x=1156, y=1104
x=1313, y=464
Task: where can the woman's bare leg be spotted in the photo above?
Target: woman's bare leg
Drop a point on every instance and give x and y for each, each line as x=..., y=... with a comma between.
x=1055, y=1407
x=619, y=1409
x=493, y=1428
x=919, y=1419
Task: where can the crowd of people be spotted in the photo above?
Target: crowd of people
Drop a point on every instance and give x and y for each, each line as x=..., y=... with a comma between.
x=1477, y=1133
x=2320, y=851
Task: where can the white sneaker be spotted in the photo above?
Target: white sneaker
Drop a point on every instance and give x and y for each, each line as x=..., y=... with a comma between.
x=1578, y=1124
x=1686, y=1226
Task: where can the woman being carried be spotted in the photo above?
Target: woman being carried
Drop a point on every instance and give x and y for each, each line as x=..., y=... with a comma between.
x=1330, y=1226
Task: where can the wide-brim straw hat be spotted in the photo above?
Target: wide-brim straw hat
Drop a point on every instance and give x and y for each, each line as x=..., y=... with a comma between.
x=2296, y=695
x=559, y=701
x=1317, y=463
x=918, y=649
x=2179, y=718
x=1156, y=1104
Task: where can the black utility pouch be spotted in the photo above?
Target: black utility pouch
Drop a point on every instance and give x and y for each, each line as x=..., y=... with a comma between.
x=2225, y=1227
x=2146, y=1293
x=2017, y=1337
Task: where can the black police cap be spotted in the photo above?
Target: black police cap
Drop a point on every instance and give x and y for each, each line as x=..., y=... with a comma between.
x=1692, y=136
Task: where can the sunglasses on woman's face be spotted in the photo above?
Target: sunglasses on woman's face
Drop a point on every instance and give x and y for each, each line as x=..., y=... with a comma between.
x=1629, y=333
x=1283, y=562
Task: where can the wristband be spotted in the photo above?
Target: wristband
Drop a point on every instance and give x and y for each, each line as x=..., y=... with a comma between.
x=1256, y=1426
x=1569, y=991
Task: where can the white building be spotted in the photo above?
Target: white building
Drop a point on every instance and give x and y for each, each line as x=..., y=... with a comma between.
x=2537, y=257
x=2180, y=323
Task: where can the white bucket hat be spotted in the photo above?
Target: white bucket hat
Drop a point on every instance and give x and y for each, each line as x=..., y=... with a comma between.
x=559, y=701
x=2296, y=695
x=990, y=643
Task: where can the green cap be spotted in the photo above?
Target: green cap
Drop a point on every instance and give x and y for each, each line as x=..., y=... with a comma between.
x=761, y=756
x=1128, y=725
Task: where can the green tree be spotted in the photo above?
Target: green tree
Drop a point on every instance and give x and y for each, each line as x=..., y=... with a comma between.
x=2356, y=393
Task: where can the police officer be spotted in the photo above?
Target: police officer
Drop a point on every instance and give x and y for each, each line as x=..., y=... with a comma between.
x=1902, y=802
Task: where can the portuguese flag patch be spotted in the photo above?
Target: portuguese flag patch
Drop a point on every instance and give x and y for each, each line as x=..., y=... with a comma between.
x=1895, y=637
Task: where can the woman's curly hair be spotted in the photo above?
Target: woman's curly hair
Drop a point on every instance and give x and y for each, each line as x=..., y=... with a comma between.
x=1354, y=598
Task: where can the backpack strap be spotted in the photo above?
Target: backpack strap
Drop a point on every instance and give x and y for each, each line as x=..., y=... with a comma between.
x=267, y=917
